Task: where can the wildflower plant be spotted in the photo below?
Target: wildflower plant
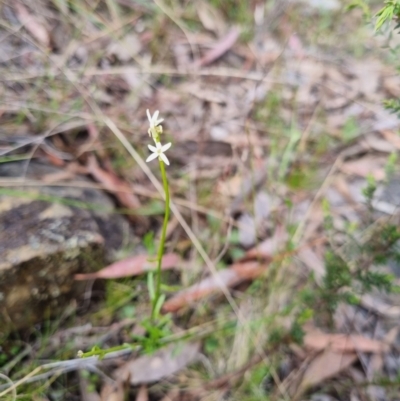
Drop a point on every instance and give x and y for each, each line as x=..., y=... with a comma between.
x=156, y=326
x=158, y=152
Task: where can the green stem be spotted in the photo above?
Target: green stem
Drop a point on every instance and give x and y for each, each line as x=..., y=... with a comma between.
x=102, y=352
x=162, y=240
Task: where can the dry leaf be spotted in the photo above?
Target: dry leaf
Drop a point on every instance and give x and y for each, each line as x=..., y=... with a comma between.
x=143, y=394
x=113, y=392
x=376, y=362
x=392, y=137
x=204, y=93
x=231, y=186
x=380, y=307
x=220, y=48
x=161, y=364
x=392, y=85
x=132, y=266
x=368, y=76
x=336, y=92
x=344, y=189
x=229, y=277
x=326, y=365
x=262, y=206
x=313, y=261
x=247, y=230
x=248, y=225
x=270, y=246
x=374, y=142
x=126, y=48
x=210, y=17
x=113, y=184
x=365, y=166
x=118, y=188
x=32, y=25
x=318, y=341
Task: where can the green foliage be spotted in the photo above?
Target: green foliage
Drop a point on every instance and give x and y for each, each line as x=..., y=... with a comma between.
x=360, y=4
x=337, y=279
x=297, y=332
x=356, y=269
x=393, y=105
x=389, y=11
x=369, y=191
x=276, y=336
x=211, y=344
x=156, y=331
x=390, y=166
x=237, y=11
x=253, y=388
x=350, y=129
x=148, y=242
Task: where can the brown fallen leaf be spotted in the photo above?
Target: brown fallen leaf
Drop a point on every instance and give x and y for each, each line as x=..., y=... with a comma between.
x=143, y=394
x=229, y=277
x=376, y=142
x=93, y=142
x=392, y=137
x=391, y=84
x=318, y=341
x=55, y=160
x=155, y=367
x=118, y=188
x=132, y=266
x=32, y=25
x=113, y=392
x=57, y=177
x=368, y=165
x=326, y=365
x=269, y=246
x=112, y=183
x=220, y=48
x=230, y=187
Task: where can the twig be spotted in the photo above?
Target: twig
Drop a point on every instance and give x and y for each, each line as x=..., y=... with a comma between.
x=59, y=367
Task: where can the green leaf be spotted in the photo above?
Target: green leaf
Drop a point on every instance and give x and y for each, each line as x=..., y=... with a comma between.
x=159, y=304
x=385, y=14
x=150, y=285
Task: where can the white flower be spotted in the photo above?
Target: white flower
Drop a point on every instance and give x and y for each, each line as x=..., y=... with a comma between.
x=154, y=122
x=158, y=151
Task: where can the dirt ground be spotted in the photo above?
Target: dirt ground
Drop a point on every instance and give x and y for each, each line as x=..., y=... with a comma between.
x=281, y=260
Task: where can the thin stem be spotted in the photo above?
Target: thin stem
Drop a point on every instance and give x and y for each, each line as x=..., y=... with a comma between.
x=162, y=239
x=103, y=352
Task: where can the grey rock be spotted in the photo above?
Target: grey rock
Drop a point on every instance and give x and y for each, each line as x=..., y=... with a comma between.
x=46, y=236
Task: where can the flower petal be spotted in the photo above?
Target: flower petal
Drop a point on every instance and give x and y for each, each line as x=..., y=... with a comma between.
x=153, y=148
x=164, y=159
x=149, y=115
x=151, y=157
x=155, y=115
x=165, y=147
